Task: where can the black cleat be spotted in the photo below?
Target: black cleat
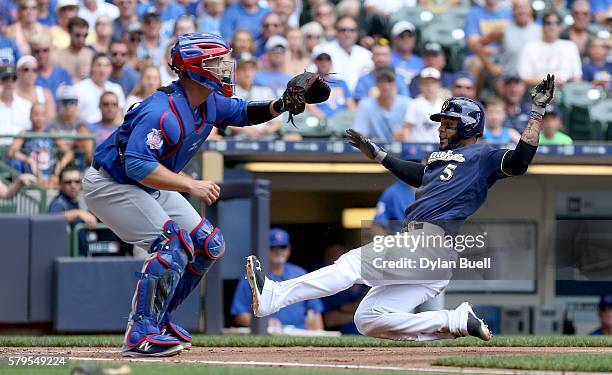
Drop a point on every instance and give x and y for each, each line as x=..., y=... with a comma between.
x=256, y=278
x=476, y=327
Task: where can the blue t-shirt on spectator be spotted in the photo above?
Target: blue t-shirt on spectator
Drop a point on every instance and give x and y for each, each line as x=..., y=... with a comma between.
x=503, y=137
x=208, y=24
x=128, y=80
x=51, y=18
x=335, y=301
x=277, y=81
x=236, y=18
x=373, y=121
x=479, y=19
x=59, y=76
x=391, y=206
x=62, y=203
x=294, y=315
x=518, y=121
x=406, y=69
x=600, y=5
x=168, y=17
x=9, y=52
x=589, y=70
x=337, y=99
x=366, y=86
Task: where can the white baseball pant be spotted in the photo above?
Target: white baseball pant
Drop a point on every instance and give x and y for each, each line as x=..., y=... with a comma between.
x=386, y=311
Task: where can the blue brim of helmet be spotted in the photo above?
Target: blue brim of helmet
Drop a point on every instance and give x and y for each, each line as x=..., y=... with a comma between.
x=437, y=117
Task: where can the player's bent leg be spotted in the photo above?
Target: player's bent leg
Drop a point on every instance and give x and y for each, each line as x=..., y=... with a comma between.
x=209, y=247
x=385, y=312
x=270, y=296
x=159, y=277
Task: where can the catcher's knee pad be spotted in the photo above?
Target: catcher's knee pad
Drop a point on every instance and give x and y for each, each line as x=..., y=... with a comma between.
x=209, y=246
x=159, y=278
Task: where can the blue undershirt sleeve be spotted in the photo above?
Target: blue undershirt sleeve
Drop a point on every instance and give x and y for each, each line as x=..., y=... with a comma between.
x=137, y=169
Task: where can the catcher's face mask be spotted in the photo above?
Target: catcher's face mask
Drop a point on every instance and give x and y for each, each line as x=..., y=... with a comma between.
x=223, y=69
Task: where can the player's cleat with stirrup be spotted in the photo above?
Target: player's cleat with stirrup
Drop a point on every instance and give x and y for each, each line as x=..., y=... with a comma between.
x=147, y=349
x=476, y=327
x=256, y=278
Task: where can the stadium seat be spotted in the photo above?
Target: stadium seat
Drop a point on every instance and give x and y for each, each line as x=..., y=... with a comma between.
x=451, y=37
x=340, y=122
x=307, y=125
x=577, y=98
x=415, y=15
x=601, y=118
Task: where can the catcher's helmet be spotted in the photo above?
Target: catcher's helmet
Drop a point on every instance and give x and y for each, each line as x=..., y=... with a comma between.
x=205, y=58
x=469, y=112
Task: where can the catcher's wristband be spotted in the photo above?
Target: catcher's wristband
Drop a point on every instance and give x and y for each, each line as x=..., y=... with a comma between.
x=537, y=112
x=279, y=106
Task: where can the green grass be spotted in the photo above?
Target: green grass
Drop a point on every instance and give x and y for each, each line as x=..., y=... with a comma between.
x=280, y=341
x=180, y=369
x=564, y=362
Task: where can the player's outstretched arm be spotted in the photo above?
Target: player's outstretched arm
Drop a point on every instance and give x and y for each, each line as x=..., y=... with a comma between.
x=407, y=171
x=516, y=161
x=305, y=88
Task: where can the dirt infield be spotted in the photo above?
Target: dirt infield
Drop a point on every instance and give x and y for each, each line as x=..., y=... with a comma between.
x=405, y=358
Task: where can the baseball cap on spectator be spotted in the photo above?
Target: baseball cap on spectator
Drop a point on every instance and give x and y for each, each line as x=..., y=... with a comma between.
x=150, y=14
x=26, y=59
x=319, y=52
x=552, y=110
x=510, y=75
x=276, y=42
x=7, y=71
x=433, y=48
x=386, y=72
x=430, y=72
x=605, y=301
x=401, y=27
x=312, y=28
x=66, y=92
x=245, y=58
x=279, y=238
x=66, y=3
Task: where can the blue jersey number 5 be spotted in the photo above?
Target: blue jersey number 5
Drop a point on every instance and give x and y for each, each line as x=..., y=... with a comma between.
x=447, y=173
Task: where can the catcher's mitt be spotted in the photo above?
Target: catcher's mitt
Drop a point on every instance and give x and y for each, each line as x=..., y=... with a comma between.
x=304, y=88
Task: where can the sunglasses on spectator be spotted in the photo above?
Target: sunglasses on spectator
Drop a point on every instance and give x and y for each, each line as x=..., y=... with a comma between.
x=40, y=50
x=135, y=38
x=68, y=182
x=8, y=78
x=110, y=104
x=347, y=30
x=312, y=36
x=70, y=101
x=271, y=24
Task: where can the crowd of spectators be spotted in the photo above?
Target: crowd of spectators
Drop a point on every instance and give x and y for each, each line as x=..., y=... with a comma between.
x=69, y=66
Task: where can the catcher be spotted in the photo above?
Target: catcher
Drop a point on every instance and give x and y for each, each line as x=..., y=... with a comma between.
x=135, y=181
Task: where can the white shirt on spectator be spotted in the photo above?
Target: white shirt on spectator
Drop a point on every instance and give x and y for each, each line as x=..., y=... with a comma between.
x=103, y=9
x=14, y=118
x=348, y=67
x=89, y=98
x=390, y=6
x=256, y=93
x=423, y=130
x=560, y=58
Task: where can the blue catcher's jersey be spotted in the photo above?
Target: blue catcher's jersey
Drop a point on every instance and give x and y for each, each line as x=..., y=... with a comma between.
x=455, y=183
x=164, y=128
